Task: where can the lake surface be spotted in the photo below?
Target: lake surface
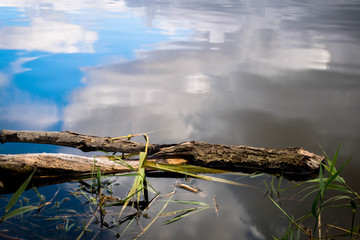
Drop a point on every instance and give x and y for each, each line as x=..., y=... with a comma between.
x=258, y=73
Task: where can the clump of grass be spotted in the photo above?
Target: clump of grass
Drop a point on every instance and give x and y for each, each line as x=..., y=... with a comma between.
x=9, y=214
x=329, y=190
x=139, y=187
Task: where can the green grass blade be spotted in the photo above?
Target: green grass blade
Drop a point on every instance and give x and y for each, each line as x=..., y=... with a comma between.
x=164, y=167
x=181, y=211
x=133, y=191
x=18, y=211
x=190, y=202
x=311, y=192
x=156, y=217
x=285, y=214
x=336, y=198
x=197, y=169
x=185, y=215
x=321, y=183
x=142, y=159
x=314, y=206
x=332, y=166
x=127, y=226
x=18, y=193
x=337, y=174
x=132, y=168
x=120, y=161
x=329, y=162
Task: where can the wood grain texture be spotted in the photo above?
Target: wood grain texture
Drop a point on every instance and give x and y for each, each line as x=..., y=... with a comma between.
x=292, y=162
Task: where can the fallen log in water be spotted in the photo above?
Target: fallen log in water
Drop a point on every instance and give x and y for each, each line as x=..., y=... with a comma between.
x=57, y=168
x=293, y=163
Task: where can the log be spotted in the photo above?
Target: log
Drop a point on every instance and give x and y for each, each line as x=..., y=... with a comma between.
x=54, y=168
x=293, y=163
x=83, y=142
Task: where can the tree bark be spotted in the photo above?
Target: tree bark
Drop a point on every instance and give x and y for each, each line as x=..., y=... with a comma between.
x=58, y=167
x=83, y=142
x=293, y=163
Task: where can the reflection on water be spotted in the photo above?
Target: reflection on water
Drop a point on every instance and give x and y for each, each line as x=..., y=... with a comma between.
x=263, y=73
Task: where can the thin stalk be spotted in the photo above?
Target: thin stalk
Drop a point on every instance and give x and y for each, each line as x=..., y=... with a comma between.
x=157, y=216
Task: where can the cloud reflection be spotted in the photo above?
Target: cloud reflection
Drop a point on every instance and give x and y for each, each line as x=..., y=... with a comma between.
x=4, y=79
x=27, y=112
x=49, y=36
x=22, y=108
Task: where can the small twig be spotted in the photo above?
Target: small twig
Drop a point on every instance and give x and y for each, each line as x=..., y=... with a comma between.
x=319, y=225
x=216, y=206
x=187, y=187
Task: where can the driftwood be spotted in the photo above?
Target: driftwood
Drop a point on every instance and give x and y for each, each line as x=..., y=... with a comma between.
x=293, y=163
x=57, y=168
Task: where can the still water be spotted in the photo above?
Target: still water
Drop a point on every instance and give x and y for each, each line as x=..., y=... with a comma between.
x=263, y=73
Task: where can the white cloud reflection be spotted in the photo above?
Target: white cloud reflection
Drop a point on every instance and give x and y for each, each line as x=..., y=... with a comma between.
x=21, y=107
x=4, y=79
x=190, y=89
x=258, y=36
x=17, y=66
x=49, y=36
x=66, y=5
x=27, y=112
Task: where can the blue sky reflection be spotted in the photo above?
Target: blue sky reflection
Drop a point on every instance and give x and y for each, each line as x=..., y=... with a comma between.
x=44, y=48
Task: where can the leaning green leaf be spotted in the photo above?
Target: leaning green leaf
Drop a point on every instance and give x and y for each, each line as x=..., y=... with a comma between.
x=164, y=167
x=178, y=211
x=336, y=175
x=185, y=215
x=18, y=211
x=18, y=193
x=332, y=165
x=142, y=159
x=336, y=198
x=321, y=184
x=314, y=206
x=190, y=202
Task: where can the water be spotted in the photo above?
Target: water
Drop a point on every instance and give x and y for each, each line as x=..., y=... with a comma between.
x=259, y=73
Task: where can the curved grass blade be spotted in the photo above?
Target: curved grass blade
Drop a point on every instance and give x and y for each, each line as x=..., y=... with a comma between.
x=336, y=198
x=18, y=211
x=157, y=216
x=322, y=184
x=124, y=163
x=182, y=211
x=164, y=167
x=190, y=202
x=18, y=193
x=188, y=213
x=314, y=206
x=336, y=174
x=292, y=220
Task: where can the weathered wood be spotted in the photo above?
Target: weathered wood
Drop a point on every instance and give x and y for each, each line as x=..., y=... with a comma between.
x=293, y=163
x=83, y=142
x=58, y=167
x=53, y=164
x=289, y=161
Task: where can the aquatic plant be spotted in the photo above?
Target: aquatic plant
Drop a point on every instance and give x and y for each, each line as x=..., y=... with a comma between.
x=9, y=214
x=328, y=191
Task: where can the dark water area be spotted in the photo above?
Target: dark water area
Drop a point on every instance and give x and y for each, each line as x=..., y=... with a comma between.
x=258, y=73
